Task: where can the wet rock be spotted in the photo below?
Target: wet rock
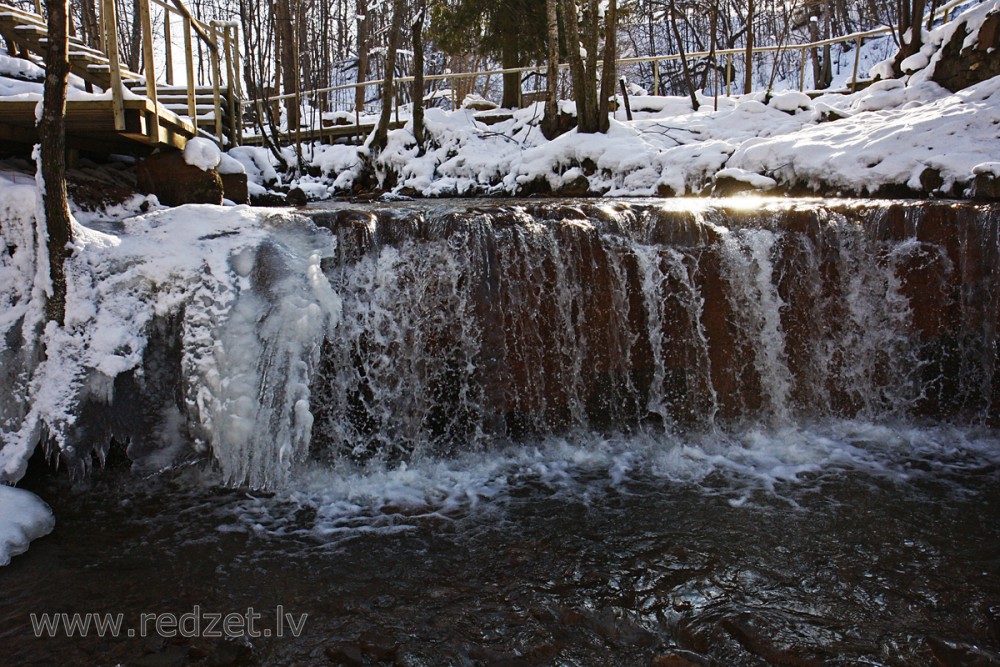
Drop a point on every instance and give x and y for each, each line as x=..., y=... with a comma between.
x=234, y=188
x=986, y=187
x=680, y=658
x=536, y=186
x=175, y=182
x=296, y=197
x=269, y=198
x=575, y=187
x=931, y=181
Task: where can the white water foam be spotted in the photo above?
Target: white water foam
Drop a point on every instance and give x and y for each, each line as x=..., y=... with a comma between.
x=754, y=465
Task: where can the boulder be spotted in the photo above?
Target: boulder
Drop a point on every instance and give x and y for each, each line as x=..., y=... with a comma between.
x=175, y=182
x=962, y=66
x=986, y=186
x=234, y=188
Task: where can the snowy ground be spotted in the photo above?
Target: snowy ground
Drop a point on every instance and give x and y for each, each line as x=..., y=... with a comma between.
x=880, y=139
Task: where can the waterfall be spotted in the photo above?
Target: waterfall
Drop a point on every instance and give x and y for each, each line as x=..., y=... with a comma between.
x=400, y=331
x=466, y=325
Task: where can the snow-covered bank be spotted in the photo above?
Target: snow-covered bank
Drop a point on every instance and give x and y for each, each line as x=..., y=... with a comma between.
x=907, y=136
x=23, y=517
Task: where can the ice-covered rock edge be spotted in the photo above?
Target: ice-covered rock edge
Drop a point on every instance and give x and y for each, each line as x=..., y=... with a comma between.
x=237, y=295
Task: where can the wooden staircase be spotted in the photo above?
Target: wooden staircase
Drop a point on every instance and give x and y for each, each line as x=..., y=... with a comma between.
x=165, y=115
x=28, y=33
x=175, y=98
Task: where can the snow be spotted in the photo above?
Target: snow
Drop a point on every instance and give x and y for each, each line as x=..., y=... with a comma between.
x=23, y=517
x=755, y=181
x=990, y=168
x=790, y=101
x=230, y=165
x=202, y=153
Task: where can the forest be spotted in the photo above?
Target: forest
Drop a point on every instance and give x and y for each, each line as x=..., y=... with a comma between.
x=311, y=51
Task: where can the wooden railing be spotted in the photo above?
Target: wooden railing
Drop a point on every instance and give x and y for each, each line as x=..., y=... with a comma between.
x=857, y=38
x=219, y=41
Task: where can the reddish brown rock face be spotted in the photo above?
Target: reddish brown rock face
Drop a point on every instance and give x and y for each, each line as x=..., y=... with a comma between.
x=468, y=323
x=175, y=182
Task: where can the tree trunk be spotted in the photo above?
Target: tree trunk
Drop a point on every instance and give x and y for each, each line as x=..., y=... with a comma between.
x=364, y=22
x=688, y=82
x=52, y=156
x=576, y=65
x=381, y=135
x=289, y=74
x=911, y=20
x=550, y=121
x=590, y=37
x=748, y=78
x=418, y=76
x=135, y=39
x=609, y=74
x=510, y=58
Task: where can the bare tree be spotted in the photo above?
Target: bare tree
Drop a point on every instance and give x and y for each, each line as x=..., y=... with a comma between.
x=381, y=135
x=911, y=19
x=688, y=81
x=550, y=121
x=417, y=33
x=364, y=21
x=52, y=156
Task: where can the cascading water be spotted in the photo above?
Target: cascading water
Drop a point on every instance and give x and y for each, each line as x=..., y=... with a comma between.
x=464, y=326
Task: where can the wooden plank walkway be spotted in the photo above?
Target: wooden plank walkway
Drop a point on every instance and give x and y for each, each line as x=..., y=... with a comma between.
x=90, y=125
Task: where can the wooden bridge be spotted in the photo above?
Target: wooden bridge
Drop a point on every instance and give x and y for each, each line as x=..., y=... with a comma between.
x=128, y=111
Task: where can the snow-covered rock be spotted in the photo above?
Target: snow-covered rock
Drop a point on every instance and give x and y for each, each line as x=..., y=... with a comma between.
x=23, y=517
x=202, y=153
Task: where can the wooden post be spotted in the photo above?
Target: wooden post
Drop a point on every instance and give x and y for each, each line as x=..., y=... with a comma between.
x=656, y=77
x=230, y=87
x=802, y=72
x=150, y=66
x=189, y=72
x=239, y=86
x=628, y=106
x=168, y=47
x=216, y=92
x=110, y=25
x=857, y=57
x=729, y=74
x=38, y=8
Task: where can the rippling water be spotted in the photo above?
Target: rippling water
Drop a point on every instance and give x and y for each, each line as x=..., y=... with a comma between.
x=837, y=543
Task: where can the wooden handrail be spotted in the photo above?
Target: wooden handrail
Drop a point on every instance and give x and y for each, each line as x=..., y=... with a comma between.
x=205, y=31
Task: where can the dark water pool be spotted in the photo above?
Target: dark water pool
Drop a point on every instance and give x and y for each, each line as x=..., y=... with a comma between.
x=584, y=565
